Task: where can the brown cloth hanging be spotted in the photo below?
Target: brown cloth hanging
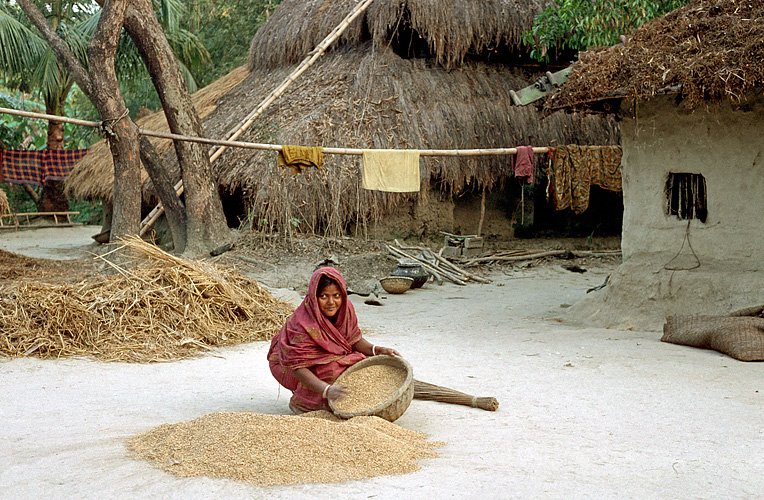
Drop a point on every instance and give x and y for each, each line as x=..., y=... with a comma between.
x=574, y=169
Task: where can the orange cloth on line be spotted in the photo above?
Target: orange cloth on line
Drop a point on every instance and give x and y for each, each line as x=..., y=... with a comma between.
x=299, y=157
x=395, y=171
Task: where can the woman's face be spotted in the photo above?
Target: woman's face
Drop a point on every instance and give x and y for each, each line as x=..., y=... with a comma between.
x=330, y=300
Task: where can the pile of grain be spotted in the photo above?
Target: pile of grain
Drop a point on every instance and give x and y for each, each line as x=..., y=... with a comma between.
x=283, y=449
x=162, y=308
x=370, y=387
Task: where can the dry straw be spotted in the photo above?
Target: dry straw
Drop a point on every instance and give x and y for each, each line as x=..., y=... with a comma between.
x=5, y=208
x=283, y=449
x=711, y=48
x=163, y=308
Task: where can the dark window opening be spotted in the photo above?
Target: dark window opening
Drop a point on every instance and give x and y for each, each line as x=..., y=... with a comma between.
x=233, y=207
x=686, y=195
x=406, y=42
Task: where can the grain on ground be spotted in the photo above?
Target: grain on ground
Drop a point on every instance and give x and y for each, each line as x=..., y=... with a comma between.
x=282, y=449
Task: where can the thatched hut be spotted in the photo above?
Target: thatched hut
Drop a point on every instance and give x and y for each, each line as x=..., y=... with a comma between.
x=687, y=89
x=417, y=74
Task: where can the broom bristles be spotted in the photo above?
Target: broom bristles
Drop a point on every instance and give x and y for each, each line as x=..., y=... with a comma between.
x=431, y=392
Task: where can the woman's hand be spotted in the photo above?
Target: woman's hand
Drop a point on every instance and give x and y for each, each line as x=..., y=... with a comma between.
x=385, y=350
x=337, y=392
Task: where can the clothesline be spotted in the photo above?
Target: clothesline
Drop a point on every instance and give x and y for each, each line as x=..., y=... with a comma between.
x=267, y=147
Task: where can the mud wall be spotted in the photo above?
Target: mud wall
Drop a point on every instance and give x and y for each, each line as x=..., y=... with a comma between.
x=723, y=144
x=670, y=267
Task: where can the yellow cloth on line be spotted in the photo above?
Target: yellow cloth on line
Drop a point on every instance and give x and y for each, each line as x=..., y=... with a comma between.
x=395, y=171
x=299, y=157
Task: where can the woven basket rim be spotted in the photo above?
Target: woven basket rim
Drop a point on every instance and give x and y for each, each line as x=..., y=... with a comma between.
x=396, y=279
x=383, y=359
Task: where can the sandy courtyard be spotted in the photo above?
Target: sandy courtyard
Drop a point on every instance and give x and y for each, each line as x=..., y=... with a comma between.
x=585, y=413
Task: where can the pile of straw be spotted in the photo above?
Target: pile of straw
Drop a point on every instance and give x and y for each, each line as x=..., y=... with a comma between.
x=163, y=308
x=5, y=208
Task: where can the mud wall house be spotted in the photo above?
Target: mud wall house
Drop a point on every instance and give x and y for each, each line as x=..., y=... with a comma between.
x=687, y=90
x=419, y=74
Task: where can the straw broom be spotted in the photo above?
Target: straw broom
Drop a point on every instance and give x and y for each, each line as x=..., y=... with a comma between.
x=432, y=392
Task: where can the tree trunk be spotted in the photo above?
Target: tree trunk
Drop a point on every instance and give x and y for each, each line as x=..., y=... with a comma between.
x=101, y=87
x=206, y=226
x=173, y=207
x=121, y=132
x=52, y=198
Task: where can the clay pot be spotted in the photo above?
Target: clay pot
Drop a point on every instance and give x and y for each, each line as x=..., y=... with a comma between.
x=412, y=270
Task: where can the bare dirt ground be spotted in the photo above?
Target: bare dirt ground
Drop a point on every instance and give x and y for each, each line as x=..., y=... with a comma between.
x=585, y=413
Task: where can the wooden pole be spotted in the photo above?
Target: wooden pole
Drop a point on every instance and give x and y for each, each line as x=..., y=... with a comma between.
x=482, y=214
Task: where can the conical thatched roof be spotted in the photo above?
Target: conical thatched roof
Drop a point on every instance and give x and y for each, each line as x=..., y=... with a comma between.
x=361, y=97
x=385, y=84
x=93, y=176
x=451, y=29
x=708, y=50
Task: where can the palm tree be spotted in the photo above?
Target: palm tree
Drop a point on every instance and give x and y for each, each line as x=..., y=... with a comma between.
x=28, y=63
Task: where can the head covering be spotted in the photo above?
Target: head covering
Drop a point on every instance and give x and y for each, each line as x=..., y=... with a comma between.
x=309, y=338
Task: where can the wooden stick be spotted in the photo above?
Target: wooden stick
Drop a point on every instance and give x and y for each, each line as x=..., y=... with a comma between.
x=438, y=257
x=515, y=258
x=428, y=266
x=304, y=65
x=530, y=256
x=482, y=214
x=275, y=94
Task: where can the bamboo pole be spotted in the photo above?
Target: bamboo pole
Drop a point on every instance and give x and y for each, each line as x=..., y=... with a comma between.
x=268, y=147
x=304, y=65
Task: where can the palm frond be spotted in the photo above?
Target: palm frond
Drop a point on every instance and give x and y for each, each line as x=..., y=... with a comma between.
x=19, y=46
x=47, y=74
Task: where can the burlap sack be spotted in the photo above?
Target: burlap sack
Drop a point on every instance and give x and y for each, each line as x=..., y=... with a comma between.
x=740, y=335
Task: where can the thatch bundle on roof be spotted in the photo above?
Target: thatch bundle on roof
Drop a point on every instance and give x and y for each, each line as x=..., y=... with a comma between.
x=708, y=50
x=417, y=74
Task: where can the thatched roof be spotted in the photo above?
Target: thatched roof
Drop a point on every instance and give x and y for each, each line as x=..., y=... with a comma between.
x=93, y=176
x=363, y=97
x=363, y=94
x=706, y=51
x=450, y=29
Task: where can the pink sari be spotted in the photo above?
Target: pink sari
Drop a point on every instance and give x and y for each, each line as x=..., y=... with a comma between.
x=310, y=340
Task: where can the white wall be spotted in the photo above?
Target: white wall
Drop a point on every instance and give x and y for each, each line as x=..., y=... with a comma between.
x=723, y=144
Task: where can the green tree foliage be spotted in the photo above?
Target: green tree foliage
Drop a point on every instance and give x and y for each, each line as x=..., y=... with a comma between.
x=226, y=27
x=583, y=24
x=28, y=64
